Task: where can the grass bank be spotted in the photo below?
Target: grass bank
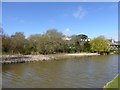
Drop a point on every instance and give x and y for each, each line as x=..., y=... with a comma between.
x=113, y=83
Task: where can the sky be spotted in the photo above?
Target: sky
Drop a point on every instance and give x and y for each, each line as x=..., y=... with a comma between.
x=71, y=18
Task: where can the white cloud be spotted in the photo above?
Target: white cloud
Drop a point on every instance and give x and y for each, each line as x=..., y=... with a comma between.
x=67, y=29
x=113, y=6
x=79, y=13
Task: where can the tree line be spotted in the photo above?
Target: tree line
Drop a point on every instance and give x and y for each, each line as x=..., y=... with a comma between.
x=51, y=42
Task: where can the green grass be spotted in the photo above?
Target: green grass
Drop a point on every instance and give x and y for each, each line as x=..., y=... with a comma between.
x=113, y=83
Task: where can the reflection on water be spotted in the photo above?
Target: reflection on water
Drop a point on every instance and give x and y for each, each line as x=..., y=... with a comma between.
x=82, y=72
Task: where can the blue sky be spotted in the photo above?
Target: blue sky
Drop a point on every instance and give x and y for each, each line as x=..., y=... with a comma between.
x=90, y=18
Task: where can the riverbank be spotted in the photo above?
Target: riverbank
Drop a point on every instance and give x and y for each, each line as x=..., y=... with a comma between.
x=82, y=54
x=113, y=83
x=12, y=59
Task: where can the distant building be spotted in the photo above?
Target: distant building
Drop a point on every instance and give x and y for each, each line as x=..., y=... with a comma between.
x=111, y=40
x=114, y=44
x=66, y=38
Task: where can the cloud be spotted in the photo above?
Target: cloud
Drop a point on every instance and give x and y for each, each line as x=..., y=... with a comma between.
x=67, y=29
x=113, y=6
x=79, y=13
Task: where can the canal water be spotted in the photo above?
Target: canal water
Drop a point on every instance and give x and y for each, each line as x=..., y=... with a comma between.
x=82, y=72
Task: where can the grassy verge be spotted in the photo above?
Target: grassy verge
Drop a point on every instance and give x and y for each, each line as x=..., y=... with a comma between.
x=113, y=83
x=71, y=55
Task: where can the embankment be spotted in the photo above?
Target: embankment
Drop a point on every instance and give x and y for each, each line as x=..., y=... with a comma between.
x=12, y=59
